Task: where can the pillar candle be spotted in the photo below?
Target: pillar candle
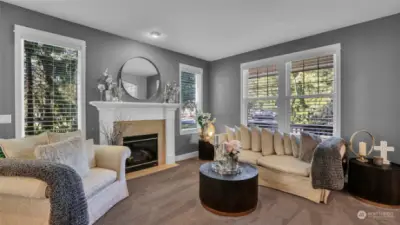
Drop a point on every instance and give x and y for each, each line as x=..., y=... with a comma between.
x=362, y=148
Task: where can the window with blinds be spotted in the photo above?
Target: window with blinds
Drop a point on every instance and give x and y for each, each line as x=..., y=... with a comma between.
x=294, y=92
x=50, y=88
x=190, y=97
x=312, y=87
x=262, y=95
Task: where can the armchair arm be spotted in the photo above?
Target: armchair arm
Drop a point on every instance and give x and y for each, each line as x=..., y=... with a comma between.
x=23, y=187
x=112, y=158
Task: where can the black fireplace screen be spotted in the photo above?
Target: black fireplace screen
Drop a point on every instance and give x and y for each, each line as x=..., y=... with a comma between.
x=144, y=152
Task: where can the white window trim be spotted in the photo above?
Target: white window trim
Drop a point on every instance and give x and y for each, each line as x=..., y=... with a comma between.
x=199, y=93
x=283, y=64
x=22, y=33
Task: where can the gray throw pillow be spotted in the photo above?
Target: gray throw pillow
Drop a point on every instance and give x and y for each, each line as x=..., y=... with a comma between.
x=308, y=143
x=70, y=152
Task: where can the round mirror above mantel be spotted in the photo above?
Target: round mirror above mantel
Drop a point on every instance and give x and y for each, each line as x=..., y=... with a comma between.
x=140, y=78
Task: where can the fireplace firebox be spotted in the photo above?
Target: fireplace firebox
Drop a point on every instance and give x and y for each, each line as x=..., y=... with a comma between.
x=144, y=152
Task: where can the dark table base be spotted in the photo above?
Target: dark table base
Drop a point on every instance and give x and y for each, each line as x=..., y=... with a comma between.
x=229, y=196
x=206, y=150
x=375, y=185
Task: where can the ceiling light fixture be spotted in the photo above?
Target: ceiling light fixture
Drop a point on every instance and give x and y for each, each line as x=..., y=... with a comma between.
x=155, y=34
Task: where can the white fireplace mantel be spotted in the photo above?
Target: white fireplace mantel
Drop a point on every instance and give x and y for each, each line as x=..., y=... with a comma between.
x=110, y=112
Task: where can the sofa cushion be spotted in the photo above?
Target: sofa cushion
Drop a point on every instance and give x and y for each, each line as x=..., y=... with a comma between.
x=267, y=142
x=231, y=133
x=308, y=143
x=287, y=144
x=295, y=145
x=237, y=133
x=285, y=163
x=248, y=156
x=278, y=143
x=70, y=152
x=256, y=139
x=97, y=179
x=89, y=148
x=57, y=137
x=245, y=135
x=23, y=148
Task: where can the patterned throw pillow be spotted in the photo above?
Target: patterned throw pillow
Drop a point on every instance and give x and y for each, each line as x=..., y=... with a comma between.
x=1, y=152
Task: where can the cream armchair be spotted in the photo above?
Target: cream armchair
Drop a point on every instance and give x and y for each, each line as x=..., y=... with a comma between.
x=25, y=201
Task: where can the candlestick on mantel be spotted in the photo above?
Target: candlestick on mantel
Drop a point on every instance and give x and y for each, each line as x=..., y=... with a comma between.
x=216, y=140
x=362, y=148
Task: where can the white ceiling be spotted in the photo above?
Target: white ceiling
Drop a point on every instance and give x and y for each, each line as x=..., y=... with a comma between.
x=214, y=29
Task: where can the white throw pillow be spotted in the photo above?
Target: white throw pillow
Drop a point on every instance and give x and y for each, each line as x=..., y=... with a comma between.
x=267, y=142
x=231, y=133
x=70, y=152
x=57, y=137
x=255, y=139
x=237, y=132
x=23, y=148
x=245, y=134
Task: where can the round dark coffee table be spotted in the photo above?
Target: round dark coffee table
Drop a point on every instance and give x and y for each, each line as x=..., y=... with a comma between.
x=229, y=195
x=376, y=185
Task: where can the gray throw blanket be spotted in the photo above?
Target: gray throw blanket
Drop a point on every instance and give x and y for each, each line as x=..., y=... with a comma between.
x=67, y=198
x=326, y=167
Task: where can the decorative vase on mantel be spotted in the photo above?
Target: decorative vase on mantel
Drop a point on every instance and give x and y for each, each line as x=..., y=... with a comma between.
x=109, y=96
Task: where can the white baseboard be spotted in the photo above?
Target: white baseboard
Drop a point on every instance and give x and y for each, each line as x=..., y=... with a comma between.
x=186, y=156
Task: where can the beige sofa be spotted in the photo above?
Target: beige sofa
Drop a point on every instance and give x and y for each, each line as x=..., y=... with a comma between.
x=285, y=173
x=24, y=200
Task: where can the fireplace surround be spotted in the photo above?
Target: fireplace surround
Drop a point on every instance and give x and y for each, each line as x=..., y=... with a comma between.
x=142, y=118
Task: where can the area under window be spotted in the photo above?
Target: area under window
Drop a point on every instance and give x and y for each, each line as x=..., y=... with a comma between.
x=191, y=79
x=295, y=92
x=49, y=84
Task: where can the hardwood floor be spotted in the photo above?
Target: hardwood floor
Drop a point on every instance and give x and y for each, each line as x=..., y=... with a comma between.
x=171, y=197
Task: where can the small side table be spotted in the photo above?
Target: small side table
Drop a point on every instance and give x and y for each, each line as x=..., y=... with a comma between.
x=376, y=185
x=206, y=150
x=229, y=195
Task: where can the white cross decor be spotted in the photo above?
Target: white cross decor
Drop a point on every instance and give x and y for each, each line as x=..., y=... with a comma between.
x=384, y=149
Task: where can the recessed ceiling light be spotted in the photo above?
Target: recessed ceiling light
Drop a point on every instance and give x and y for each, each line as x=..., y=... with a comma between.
x=155, y=34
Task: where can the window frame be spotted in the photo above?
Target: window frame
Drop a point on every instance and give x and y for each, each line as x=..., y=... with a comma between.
x=283, y=65
x=21, y=34
x=199, y=94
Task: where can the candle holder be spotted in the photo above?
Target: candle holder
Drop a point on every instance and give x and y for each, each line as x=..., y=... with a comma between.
x=362, y=158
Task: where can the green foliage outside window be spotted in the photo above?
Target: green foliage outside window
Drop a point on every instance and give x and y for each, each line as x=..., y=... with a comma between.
x=50, y=88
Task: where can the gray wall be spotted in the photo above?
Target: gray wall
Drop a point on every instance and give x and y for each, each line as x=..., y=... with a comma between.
x=370, y=78
x=103, y=50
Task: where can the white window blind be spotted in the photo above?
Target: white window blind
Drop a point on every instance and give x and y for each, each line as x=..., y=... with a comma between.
x=262, y=95
x=50, y=88
x=312, y=89
x=294, y=92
